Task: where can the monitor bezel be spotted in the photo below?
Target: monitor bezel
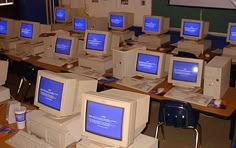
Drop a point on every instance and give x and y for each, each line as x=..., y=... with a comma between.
x=69, y=86
x=107, y=43
x=161, y=64
x=10, y=28
x=198, y=83
x=230, y=24
x=67, y=15
x=190, y=37
x=86, y=24
x=128, y=130
x=35, y=33
x=73, y=48
x=160, y=25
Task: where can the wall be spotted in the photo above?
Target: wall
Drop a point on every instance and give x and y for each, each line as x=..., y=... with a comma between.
x=218, y=18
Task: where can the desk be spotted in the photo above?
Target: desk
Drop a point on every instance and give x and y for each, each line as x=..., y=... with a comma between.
x=229, y=98
x=4, y=122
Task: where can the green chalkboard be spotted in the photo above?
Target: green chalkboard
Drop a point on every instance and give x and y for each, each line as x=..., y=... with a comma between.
x=218, y=18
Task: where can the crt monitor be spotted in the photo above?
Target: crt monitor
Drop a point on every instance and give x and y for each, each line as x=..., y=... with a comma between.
x=185, y=72
x=121, y=20
x=62, y=15
x=97, y=43
x=29, y=31
x=65, y=46
x=59, y=94
x=79, y=24
x=150, y=64
x=231, y=34
x=194, y=29
x=155, y=25
x=7, y=28
x=114, y=117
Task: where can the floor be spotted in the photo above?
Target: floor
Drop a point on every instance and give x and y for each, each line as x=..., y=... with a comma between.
x=215, y=131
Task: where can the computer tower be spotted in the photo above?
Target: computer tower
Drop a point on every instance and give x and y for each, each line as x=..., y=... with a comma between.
x=124, y=61
x=217, y=76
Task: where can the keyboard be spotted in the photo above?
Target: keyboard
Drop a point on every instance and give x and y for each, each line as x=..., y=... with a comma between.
x=53, y=61
x=191, y=97
x=23, y=139
x=145, y=85
x=88, y=72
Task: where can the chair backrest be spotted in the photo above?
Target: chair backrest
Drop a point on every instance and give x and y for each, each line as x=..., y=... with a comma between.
x=178, y=114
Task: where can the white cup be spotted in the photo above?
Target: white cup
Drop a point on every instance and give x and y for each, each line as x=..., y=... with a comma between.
x=20, y=115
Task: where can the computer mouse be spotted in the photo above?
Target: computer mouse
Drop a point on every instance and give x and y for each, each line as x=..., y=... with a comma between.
x=69, y=66
x=207, y=55
x=158, y=91
x=217, y=102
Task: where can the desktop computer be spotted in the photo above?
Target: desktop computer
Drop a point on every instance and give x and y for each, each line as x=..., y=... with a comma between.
x=124, y=60
x=216, y=76
x=154, y=40
x=31, y=48
x=195, y=46
x=57, y=132
x=124, y=35
x=9, y=44
x=230, y=51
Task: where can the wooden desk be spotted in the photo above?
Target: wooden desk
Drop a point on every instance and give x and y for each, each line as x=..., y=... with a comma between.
x=4, y=122
x=229, y=98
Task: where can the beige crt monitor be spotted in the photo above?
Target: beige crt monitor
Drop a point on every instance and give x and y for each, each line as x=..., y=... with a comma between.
x=185, y=72
x=29, y=31
x=150, y=64
x=7, y=28
x=59, y=94
x=114, y=117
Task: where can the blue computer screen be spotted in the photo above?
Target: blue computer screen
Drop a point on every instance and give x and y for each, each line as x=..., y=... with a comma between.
x=147, y=63
x=63, y=46
x=185, y=71
x=80, y=24
x=117, y=20
x=50, y=93
x=95, y=41
x=151, y=24
x=192, y=28
x=3, y=27
x=232, y=33
x=26, y=30
x=104, y=120
x=60, y=14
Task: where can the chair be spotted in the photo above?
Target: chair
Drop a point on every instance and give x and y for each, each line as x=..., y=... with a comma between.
x=180, y=115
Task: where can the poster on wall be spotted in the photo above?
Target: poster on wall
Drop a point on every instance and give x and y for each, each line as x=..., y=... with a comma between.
x=226, y=4
x=6, y=2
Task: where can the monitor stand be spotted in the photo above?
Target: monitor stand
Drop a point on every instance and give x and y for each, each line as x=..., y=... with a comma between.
x=141, y=141
x=230, y=51
x=98, y=63
x=195, y=46
x=57, y=132
x=31, y=48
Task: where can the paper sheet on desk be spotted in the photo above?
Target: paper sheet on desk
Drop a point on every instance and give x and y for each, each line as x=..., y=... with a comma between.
x=145, y=85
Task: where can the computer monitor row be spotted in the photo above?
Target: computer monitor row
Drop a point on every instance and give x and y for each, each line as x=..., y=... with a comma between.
x=112, y=117
x=26, y=30
x=185, y=72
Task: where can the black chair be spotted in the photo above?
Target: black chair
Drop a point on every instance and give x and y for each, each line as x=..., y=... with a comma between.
x=180, y=115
